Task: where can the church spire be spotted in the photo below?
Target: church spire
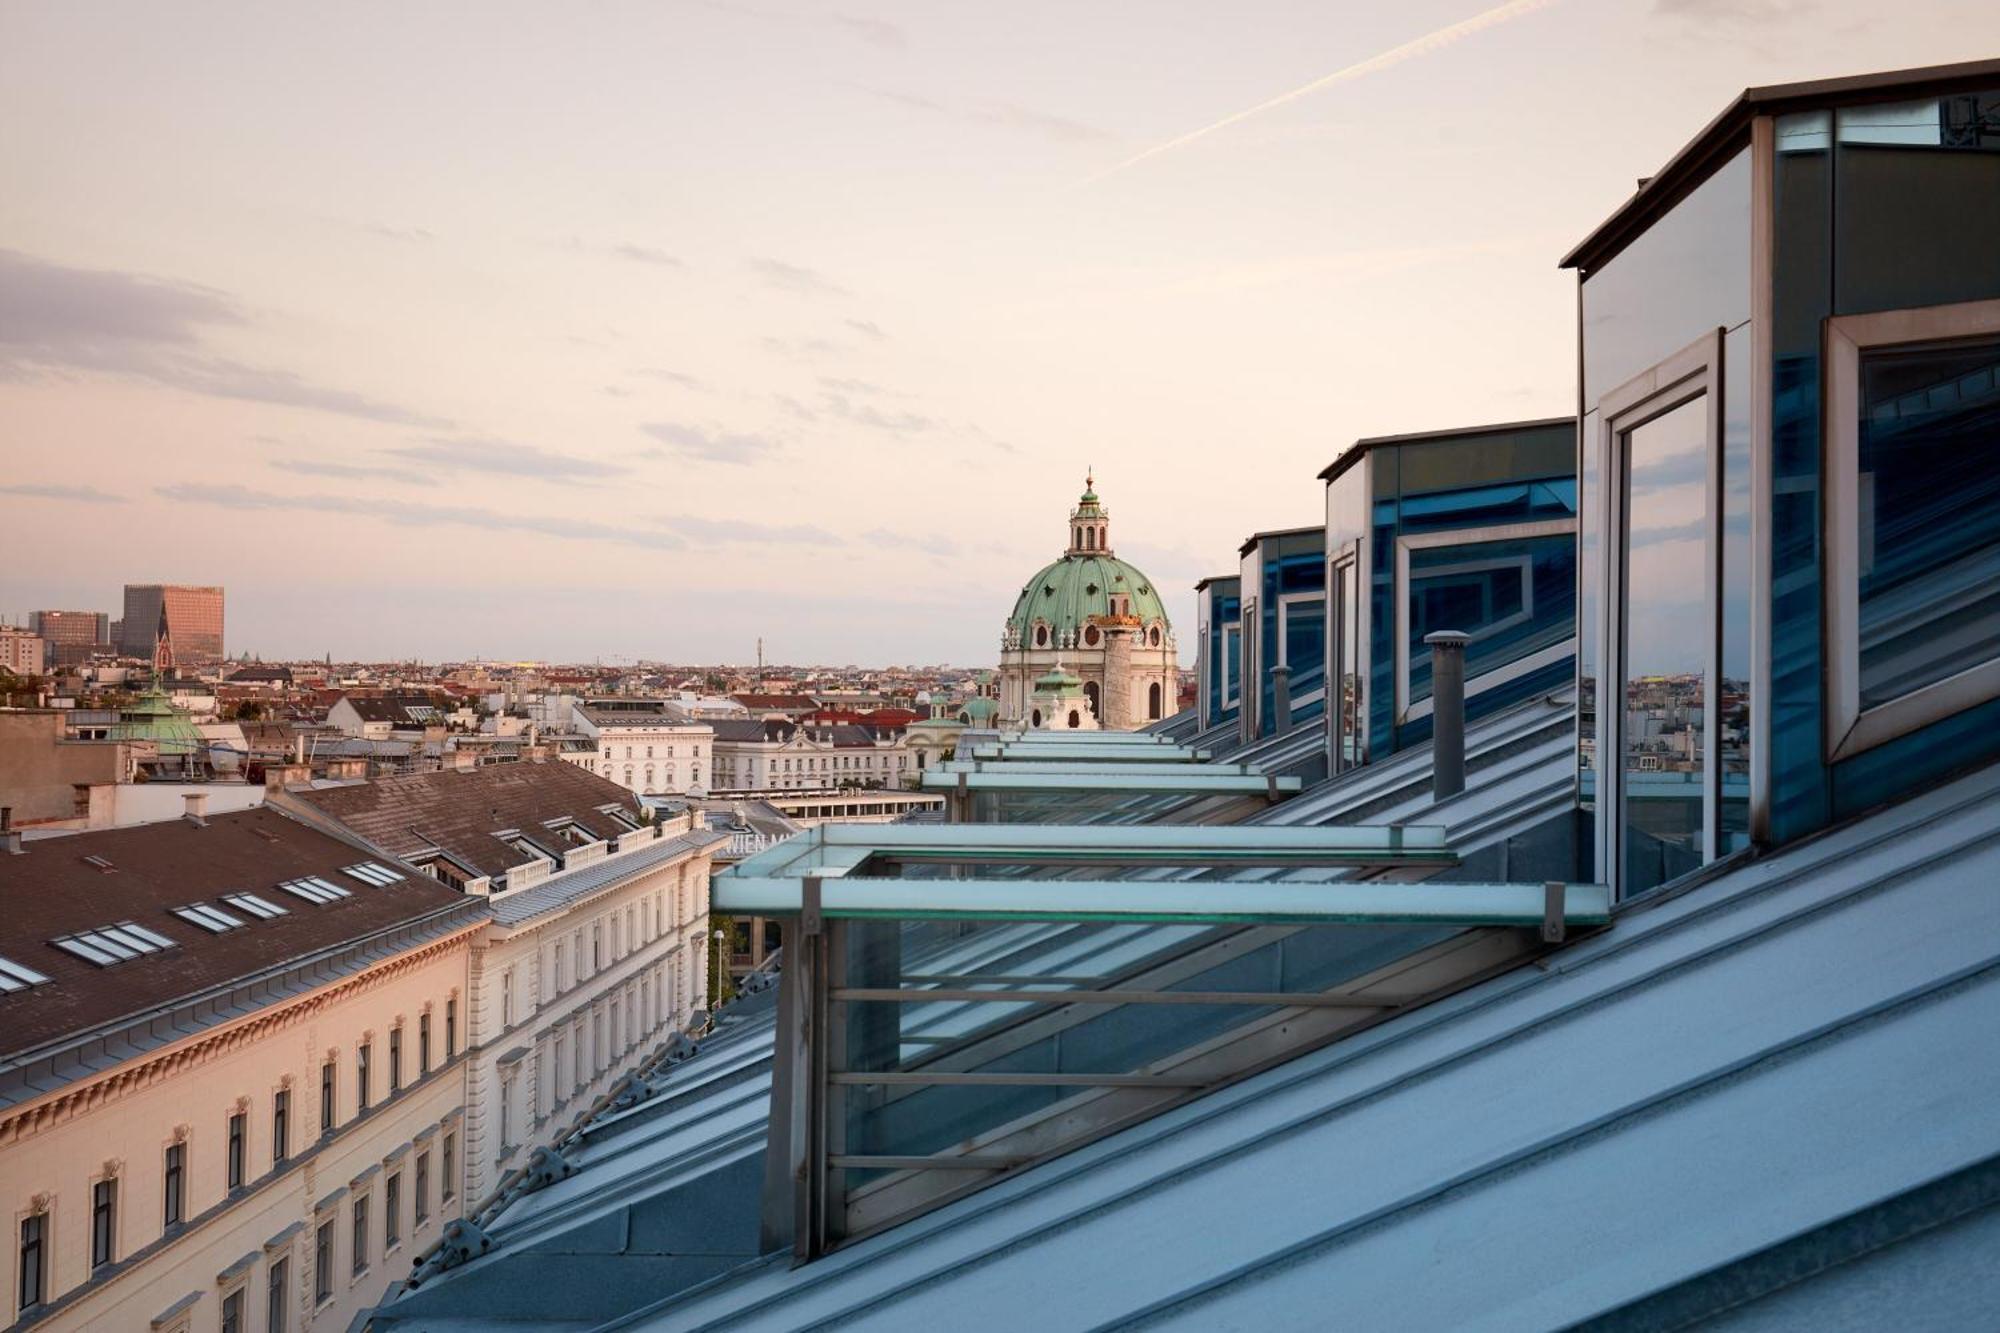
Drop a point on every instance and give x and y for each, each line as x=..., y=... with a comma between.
x=1089, y=522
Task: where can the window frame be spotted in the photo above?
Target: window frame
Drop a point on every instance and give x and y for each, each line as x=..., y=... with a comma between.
x=1694, y=372
x=1406, y=711
x=1850, y=729
x=1286, y=601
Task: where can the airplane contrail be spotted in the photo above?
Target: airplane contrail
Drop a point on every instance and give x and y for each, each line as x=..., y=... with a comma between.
x=1409, y=50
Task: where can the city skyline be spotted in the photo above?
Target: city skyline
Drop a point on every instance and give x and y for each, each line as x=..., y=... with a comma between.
x=707, y=322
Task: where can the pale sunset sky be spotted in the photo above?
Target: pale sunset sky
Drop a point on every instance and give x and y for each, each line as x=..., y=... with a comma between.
x=641, y=330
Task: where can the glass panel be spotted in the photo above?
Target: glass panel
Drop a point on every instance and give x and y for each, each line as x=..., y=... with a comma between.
x=1590, y=603
x=1515, y=598
x=1929, y=514
x=1918, y=203
x=1346, y=684
x=1732, y=692
x=1305, y=653
x=1665, y=642
x=1689, y=273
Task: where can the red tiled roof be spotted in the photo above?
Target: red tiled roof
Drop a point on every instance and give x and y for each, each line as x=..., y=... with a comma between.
x=462, y=811
x=50, y=890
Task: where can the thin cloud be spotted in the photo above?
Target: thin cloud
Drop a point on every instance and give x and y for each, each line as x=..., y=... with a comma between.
x=504, y=458
x=646, y=254
x=875, y=32
x=97, y=321
x=801, y=349
x=842, y=385
x=707, y=446
x=795, y=278
x=388, y=232
x=867, y=328
x=51, y=491
x=671, y=377
x=308, y=467
x=744, y=530
x=1003, y=115
x=864, y=414
x=412, y=513
x=929, y=544
x=1410, y=50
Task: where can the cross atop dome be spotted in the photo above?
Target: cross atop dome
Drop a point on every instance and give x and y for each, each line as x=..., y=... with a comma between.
x=1089, y=522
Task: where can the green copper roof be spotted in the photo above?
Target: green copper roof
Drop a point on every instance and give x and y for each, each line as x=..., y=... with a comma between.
x=153, y=717
x=1077, y=587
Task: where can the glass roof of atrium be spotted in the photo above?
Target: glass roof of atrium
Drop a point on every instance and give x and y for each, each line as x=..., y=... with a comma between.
x=1117, y=754
x=1174, y=780
x=920, y=872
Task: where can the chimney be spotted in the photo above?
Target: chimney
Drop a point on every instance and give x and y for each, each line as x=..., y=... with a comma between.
x=197, y=808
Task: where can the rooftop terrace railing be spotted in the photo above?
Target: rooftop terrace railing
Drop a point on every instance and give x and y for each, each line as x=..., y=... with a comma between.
x=964, y=1000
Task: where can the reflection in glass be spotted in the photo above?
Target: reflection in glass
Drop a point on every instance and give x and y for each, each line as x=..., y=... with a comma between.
x=1732, y=692
x=1344, y=703
x=1666, y=639
x=1589, y=605
x=1304, y=641
x=1929, y=514
x=1515, y=598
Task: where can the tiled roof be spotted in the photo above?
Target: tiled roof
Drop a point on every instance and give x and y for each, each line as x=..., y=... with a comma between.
x=462, y=811
x=558, y=891
x=140, y=874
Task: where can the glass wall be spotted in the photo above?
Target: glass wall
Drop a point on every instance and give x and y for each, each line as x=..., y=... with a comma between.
x=1347, y=505
x=1289, y=573
x=1929, y=514
x=1665, y=645
x=1887, y=208
x=1221, y=648
x=1474, y=533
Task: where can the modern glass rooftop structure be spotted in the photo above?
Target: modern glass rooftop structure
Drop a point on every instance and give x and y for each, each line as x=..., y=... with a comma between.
x=1471, y=530
x=1219, y=663
x=1790, y=471
x=1283, y=614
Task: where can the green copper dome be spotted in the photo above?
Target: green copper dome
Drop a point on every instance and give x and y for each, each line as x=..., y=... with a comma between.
x=1066, y=594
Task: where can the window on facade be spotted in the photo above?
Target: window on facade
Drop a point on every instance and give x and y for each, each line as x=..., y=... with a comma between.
x=451, y=1028
x=1913, y=491
x=232, y=1312
x=33, y=1268
x=281, y=1126
x=103, y=1222
x=358, y=1236
x=423, y=1043
x=421, y=1185
x=596, y=946
x=361, y=1076
x=561, y=969
x=507, y=998
x=448, y=1164
x=277, y=1311
x=239, y=1133
x=326, y=1105
x=173, y=1187
x=395, y=1060
x=506, y=1111
x=392, y=1209
x=323, y=1263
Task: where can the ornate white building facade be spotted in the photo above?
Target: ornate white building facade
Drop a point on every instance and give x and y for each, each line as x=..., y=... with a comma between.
x=1096, y=618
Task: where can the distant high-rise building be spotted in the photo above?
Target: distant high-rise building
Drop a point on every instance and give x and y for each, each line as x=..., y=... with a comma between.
x=72, y=636
x=194, y=619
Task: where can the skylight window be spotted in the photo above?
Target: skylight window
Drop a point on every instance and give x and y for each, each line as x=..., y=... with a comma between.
x=373, y=872
x=315, y=890
x=212, y=919
x=113, y=944
x=14, y=976
x=254, y=905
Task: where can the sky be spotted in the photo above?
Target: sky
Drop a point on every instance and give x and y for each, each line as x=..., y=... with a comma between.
x=614, y=331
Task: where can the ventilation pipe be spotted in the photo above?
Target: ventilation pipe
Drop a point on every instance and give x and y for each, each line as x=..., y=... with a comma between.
x=1447, y=711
